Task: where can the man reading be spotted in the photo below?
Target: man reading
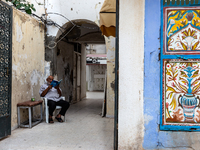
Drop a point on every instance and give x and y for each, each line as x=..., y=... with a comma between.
x=53, y=95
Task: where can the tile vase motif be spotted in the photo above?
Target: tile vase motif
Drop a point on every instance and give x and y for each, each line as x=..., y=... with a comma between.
x=181, y=90
x=189, y=103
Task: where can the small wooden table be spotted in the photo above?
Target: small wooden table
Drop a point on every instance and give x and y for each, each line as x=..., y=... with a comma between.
x=29, y=104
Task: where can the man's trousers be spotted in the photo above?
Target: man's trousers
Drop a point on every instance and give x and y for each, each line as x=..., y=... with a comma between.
x=52, y=106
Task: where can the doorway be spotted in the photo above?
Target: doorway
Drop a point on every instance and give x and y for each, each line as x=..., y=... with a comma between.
x=72, y=54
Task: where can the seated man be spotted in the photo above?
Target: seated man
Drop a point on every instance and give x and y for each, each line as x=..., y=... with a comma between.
x=53, y=95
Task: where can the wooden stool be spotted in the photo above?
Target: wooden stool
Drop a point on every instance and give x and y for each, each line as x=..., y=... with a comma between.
x=29, y=104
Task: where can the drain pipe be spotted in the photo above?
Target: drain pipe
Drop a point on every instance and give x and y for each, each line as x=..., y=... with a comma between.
x=116, y=77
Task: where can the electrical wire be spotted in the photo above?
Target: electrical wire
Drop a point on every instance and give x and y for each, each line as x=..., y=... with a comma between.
x=72, y=22
x=55, y=43
x=52, y=23
x=63, y=17
x=49, y=22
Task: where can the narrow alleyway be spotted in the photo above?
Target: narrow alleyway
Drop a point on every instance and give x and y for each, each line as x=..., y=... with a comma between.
x=84, y=129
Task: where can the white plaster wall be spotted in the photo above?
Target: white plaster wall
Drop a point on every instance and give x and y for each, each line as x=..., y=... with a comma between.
x=73, y=9
x=27, y=61
x=90, y=78
x=96, y=77
x=99, y=77
x=101, y=48
x=131, y=56
x=98, y=48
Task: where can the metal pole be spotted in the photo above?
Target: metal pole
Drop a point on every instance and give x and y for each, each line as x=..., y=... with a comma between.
x=116, y=77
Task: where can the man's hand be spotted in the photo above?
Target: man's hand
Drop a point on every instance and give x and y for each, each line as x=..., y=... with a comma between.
x=46, y=90
x=57, y=87
x=50, y=86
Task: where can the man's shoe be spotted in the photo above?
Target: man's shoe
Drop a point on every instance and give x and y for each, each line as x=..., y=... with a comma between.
x=51, y=120
x=59, y=119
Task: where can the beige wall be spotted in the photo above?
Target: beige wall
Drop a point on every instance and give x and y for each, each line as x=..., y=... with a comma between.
x=110, y=47
x=27, y=61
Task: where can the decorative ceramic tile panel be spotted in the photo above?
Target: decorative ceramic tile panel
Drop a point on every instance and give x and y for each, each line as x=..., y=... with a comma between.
x=181, y=92
x=181, y=30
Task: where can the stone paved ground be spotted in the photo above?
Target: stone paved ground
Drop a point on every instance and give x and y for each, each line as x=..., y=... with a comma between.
x=84, y=129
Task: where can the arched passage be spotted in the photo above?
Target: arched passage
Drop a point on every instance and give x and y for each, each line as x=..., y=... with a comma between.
x=72, y=39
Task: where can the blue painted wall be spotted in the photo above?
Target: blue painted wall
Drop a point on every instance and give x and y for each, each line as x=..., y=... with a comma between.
x=153, y=137
x=151, y=73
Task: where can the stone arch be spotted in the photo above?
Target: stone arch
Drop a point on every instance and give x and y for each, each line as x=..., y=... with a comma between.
x=70, y=55
x=84, y=31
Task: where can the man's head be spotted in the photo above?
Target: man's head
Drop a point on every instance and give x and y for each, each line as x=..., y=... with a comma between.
x=49, y=79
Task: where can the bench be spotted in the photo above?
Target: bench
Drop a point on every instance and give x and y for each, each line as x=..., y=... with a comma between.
x=29, y=104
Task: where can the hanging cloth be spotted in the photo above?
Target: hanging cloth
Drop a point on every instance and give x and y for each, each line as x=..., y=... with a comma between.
x=108, y=18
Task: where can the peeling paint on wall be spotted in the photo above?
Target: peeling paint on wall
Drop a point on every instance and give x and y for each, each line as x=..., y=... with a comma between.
x=47, y=69
x=27, y=62
x=112, y=85
x=110, y=54
x=147, y=118
x=65, y=68
x=110, y=48
x=35, y=78
x=97, y=8
x=19, y=33
x=14, y=67
x=110, y=45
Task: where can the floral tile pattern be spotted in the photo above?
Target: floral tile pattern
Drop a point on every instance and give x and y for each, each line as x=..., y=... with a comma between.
x=181, y=90
x=181, y=30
